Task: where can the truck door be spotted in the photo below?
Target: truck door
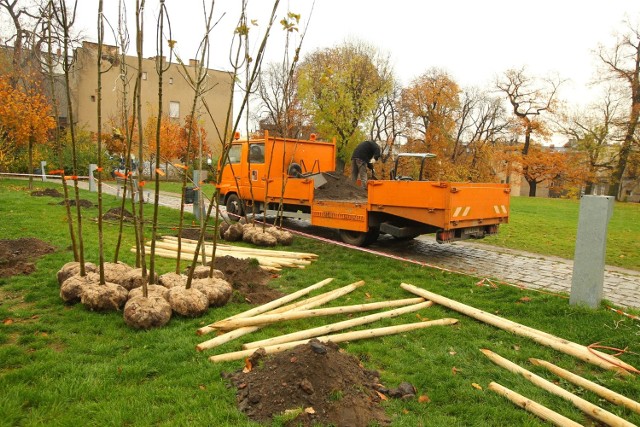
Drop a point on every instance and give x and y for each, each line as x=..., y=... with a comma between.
x=255, y=174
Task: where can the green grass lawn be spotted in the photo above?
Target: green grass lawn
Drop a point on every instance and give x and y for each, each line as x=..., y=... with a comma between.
x=64, y=365
x=549, y=227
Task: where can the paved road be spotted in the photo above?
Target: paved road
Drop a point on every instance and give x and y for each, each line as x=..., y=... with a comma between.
x=530, y=270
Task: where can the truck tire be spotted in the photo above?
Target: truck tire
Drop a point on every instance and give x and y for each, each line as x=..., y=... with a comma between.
x=359, y=238
x=234, y=206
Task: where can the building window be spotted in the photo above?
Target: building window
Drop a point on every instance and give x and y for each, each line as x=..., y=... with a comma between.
x=93, y=98
x=170, y=80
x=144, y=75
x=174, y=109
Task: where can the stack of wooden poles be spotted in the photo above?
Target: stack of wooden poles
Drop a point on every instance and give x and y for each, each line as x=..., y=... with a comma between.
x=269, y=259
x=284, y=309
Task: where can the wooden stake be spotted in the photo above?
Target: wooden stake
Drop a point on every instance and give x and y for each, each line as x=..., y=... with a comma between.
x=313, y=302
x=533, y=407
x=333, y=327
x=587, y=407
x=347, y=336
x=266, y=319
x=601, y=391
x=581, y=352
x=268, y=252
x=270, y=305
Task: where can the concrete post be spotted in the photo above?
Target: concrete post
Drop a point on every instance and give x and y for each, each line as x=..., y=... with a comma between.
x=591, y=245
x=43, y=170
x=92, y=180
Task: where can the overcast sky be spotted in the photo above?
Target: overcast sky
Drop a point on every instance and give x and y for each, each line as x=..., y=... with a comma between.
x=473, y=40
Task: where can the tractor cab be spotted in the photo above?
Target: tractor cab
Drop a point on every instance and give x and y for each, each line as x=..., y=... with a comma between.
x=410, y=166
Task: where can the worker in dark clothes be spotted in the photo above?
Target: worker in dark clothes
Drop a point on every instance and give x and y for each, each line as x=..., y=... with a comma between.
x=362, y=158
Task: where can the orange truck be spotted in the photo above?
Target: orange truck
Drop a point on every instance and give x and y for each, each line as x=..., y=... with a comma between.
x=291, y=177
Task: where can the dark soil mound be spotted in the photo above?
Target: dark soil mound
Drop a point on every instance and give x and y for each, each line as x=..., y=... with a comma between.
x=82, y=202
x=330, y=387
x=51, y=192
x=18, y=256
x=115, y=213
x=248, y=279
x=339, y=187
x=193, y=233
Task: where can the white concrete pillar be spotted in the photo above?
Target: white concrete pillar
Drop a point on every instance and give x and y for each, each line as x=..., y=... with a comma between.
x=591, y=244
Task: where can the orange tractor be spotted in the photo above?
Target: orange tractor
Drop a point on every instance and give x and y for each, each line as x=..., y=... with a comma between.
x=290, y=177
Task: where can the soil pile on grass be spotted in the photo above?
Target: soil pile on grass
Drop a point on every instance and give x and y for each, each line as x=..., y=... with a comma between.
x=18, y=256
x=51, y=192
x=193, y=233
x=114, y=214
x=82, y=202
x=248, y=279
x=339, y=187
x=323, y=385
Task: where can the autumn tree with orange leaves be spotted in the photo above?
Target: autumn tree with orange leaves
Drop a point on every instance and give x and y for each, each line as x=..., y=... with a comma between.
x=25, y=118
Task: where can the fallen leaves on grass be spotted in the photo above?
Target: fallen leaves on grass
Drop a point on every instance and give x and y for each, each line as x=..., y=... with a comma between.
x=476, y=386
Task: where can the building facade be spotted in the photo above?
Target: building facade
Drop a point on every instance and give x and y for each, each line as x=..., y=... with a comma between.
x=177, y=92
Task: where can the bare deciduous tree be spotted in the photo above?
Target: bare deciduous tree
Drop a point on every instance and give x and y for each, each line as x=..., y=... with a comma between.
x=622, y=64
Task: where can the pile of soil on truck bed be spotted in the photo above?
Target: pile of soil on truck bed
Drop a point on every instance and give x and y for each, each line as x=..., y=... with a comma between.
x=339, y=187
x=17, y=256
x=320, y=383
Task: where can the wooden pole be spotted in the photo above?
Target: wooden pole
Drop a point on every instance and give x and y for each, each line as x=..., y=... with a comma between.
x=533, y=407
x=601, y=391
x=269, y=252
x=581, y=352
x=587, y=407
x=333, y=327
x=266, y=319
x=313, y=302
x=347, y=336
x=271, y=304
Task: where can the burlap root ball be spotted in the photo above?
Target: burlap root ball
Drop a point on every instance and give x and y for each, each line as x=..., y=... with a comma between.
x=73, y=267
x=263, y=238
x=284, y=238
x=134, y=279
x=202, y=272
x=248, y=231
x=234, y=232
x=116, y=272
x=188, y=302
x=218, y=291
x=170, y=280
x=147, y=313
x=109, y=296
x=222, y=228
x=72, y=288
x=152, y=290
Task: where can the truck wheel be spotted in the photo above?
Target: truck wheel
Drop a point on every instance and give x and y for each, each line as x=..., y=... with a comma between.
x=359, y=238
x=234, y=205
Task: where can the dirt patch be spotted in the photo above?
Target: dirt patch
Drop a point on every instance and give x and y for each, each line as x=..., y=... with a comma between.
x=114, y=214
x=339, y=187
x=193, y=233
x=82, y=202
x=51, y=192
x=18, y=256
x=248, y=279
x=323, y=384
